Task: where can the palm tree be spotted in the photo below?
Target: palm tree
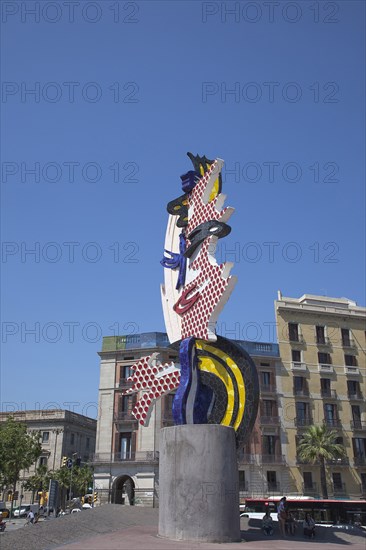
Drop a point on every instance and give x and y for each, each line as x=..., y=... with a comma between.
x=318, y=445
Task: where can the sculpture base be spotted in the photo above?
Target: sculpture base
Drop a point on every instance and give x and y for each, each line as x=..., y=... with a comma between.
x=198, y=484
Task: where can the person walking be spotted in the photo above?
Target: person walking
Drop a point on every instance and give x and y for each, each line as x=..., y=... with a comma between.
x=30, y=517
x=282, y=516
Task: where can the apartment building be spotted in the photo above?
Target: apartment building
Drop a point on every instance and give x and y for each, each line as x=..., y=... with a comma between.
x=322, y=380
x=63, y=433
x=126, y=462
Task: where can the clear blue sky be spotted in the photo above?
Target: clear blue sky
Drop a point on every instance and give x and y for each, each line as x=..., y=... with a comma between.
x=134, y=90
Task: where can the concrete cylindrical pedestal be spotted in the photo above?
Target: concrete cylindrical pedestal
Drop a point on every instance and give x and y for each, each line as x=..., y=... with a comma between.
x=198, y=484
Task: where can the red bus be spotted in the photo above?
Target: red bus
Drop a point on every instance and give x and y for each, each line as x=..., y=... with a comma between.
x=324, y=512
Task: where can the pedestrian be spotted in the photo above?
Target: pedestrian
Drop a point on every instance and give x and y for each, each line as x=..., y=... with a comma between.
x=282, y=516
x=309, y=526
x=267, y=524
x=30, y=517
x=290, y=523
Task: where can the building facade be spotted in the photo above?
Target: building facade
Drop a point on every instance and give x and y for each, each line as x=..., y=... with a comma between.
x=63, y=433
x=126, y=462
x=322, y=380
x=316, y=373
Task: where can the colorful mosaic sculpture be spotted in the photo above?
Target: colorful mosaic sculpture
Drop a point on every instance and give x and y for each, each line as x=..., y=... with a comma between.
x=216, y=380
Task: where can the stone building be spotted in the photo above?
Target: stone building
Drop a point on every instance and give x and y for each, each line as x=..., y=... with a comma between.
x=322, y=380
x=63, y=433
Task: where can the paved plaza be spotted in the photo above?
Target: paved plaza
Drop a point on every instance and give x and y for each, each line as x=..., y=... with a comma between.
x=113, y=527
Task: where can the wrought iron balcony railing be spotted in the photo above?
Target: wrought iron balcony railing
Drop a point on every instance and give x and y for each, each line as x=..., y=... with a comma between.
x=267, y=388
x=358, y=425
x=360, y=460
x=310, y=489
x=332, y=422
x=273, y=487
x=303, y=421
x=273, y=459
x=339, y=489
x=328, y=393
x=355, y=396
x=301, y=392
x=270, y=420
x=342, y=461
x=131, y=456
x=124, y=416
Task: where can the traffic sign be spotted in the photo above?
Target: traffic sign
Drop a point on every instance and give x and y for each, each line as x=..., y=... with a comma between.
x=69, y=463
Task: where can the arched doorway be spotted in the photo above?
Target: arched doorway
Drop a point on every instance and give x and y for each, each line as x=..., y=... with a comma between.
x=123, y=491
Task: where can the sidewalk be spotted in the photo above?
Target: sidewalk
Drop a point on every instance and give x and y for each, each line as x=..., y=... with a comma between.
x=145, y=537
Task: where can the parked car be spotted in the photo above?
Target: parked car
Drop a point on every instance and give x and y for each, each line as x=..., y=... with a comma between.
x=21, y=511
x=5, y=512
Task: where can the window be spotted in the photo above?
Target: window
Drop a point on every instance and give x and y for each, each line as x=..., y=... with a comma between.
x=242, y=484
x=324, y=358
x=356, y=416
x=325, y=387
x=265, y=365
x=125, y=372
x=353, y=387
x=337, y=481
x=87, y=444
x=43, y=461
x=72, y=439
x=350, y=360
x=308, y=480
x=296, y=355
x=293, y=332
x=346, y=341
x=271, y=480
x=125, y=446
x=302, y=413
x=267, y=407
x=45, y=437
x=359, y=447
x=331, y=414
x=269, y=444
x=320, y=334
x=300, y=386
x=266, y=378
x=363, y=482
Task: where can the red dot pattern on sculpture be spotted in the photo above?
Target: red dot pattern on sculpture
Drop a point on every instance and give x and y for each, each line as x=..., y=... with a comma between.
x=196, y=320
x=144, y=377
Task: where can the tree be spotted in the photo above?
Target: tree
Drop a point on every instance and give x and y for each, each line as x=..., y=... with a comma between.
x=318, y=445
x=39, y=481
x=18, y=450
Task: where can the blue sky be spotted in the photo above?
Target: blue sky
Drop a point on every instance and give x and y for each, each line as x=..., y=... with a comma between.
x=122, y=90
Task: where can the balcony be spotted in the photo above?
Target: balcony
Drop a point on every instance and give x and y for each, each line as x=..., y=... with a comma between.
x=348, y=343
x=358, y=425
x=298, y=366
x=243, y=489
x=246, y=459
x=273, y=487
x=267, y=388
x=360, y=460
x=301, y=392
x=270, y=420
x=124, y=383
x=310, y=489
x=302, y=460
x=333, y=422
x=124, y=417
x=296, y=338
x=355, y=396
x=342, y=461
x=273, y=459
x=133, y=456
x=351, y=370
x=328, y=393
x=325, y=368
x=303, y=421
x=339, y=489
x=323, y=341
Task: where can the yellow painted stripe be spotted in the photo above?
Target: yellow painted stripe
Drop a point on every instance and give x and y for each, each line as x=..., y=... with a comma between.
x=237, y=374
x=208, y=364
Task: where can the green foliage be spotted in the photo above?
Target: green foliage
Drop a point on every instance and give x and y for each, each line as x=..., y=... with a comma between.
x=18, y=450
x=80, y=477
x=39, y=481
x=317, y=443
